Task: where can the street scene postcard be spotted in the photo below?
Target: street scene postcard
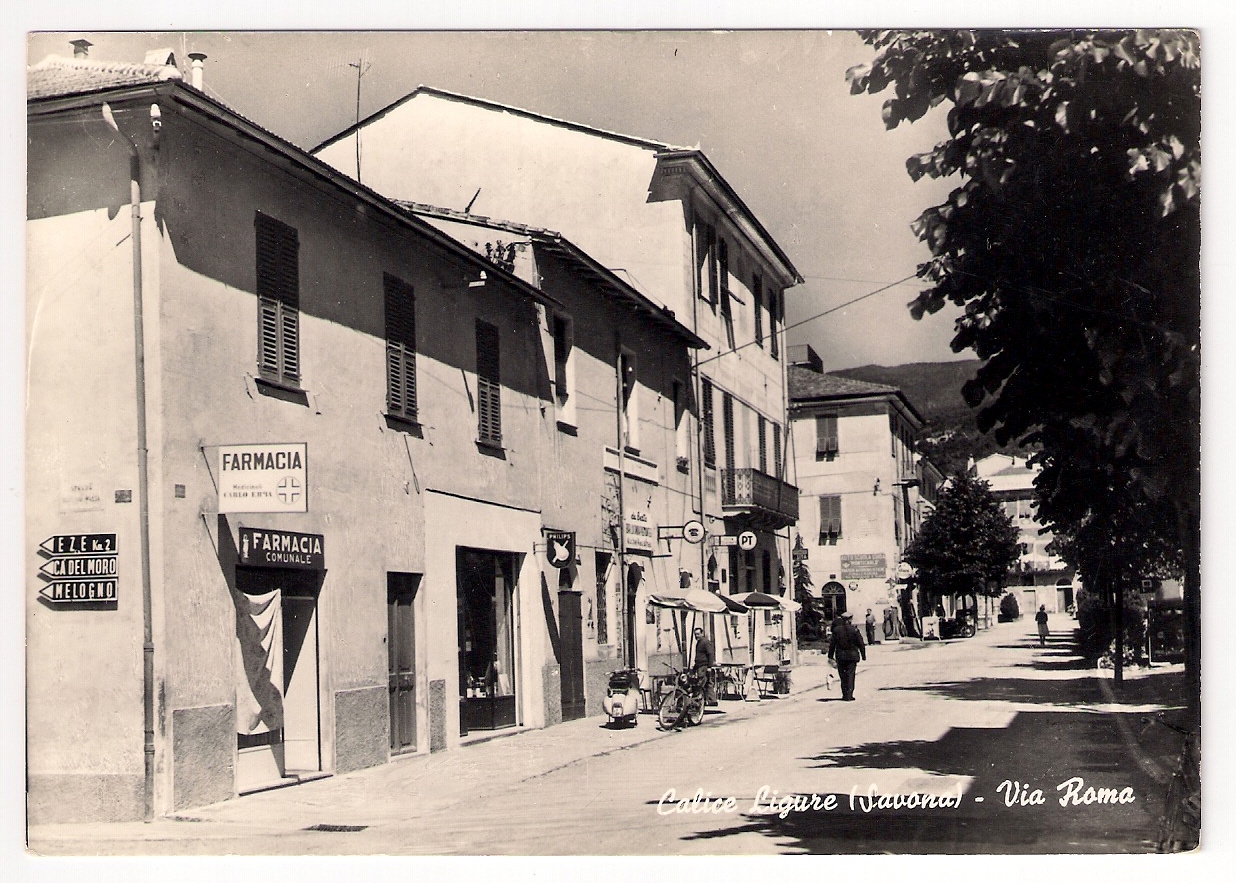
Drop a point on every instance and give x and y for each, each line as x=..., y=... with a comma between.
x=612, y=443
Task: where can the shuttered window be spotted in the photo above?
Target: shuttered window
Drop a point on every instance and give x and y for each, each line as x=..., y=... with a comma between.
x=763, y=439
x=710, y=441
x=710, y=260
x=774, y=317
x=723, y=274
x=488, y=398
x=830, y=520
x=777, y=461
x=400, y=312
x=826, y=437
x=757, y=297
x=727, y=421
x=278, y=294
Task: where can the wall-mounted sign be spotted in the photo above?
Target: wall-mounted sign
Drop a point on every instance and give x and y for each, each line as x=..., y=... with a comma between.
x=264, y=478
x=81, y=496
x=639, y=532
x=866, y=566
x=81, y=568
x=747, y=540
x=560, y=547
x=281, y=548
x=693, y=532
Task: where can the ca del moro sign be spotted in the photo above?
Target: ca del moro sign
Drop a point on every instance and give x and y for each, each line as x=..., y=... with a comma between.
x=80, y=568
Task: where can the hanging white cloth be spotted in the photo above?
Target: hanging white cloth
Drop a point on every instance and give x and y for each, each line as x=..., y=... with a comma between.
x=259, y=687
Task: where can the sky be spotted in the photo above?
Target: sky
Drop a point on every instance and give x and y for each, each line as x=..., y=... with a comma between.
x=771, y=109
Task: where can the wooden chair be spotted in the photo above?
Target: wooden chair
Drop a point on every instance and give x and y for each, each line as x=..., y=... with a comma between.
x=765, y=677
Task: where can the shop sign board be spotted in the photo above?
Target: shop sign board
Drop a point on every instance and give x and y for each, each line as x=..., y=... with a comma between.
x=865, y=566
x=260, y=547
x=81, y=568
x=560, y=547
x=639, y=532
x=747, y=540
x=264, y=478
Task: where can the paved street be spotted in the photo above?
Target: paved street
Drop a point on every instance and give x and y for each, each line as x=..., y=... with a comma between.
x=941, y=719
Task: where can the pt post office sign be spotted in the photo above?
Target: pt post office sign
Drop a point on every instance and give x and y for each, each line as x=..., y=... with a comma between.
x=264, y=478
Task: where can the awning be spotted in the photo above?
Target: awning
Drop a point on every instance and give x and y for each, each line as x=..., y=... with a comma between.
x=689, y=599
x=758, y=599
x=737, y=608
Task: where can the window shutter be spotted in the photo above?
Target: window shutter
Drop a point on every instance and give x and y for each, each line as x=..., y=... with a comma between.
x=710, y=442
x=757, y=297
x=400, y=314
x=774, y=315
x=488, y=373
x=763, y=440
x=723, y=271
x=710, y=244
x=777, y=450
x=561, y=354
x=727, y=420
x=278, y=294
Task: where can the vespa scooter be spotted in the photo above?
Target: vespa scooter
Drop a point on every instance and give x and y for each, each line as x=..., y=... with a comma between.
x=621, y=700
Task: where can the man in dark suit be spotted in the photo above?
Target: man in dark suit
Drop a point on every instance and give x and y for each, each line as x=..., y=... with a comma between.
x=847, y=649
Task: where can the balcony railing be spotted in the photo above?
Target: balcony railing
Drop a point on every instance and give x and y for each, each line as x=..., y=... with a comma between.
x=760, y=495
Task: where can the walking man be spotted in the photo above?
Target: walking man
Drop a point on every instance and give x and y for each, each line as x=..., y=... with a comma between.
x=1041, y=619
x=871, y=626
x=847, y=649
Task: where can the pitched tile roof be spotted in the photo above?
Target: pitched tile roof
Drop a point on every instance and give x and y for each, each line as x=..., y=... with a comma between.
x=808, y=384
x=57, y=76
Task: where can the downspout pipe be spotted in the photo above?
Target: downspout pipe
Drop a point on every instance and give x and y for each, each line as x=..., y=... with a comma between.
x=143, y=474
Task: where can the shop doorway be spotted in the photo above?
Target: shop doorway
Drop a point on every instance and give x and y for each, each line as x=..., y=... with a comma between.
x=486, y=621
x=570, y=631
x=401, y=658
x=832, y=600
x=278, y=707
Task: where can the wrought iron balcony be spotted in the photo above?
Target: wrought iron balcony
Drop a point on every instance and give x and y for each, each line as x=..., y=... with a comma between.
x=760, y=496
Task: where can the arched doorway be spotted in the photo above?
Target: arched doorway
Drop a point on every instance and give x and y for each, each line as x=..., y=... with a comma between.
x=832, y=600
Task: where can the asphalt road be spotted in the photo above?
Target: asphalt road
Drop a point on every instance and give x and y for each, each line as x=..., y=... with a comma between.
x=962, y=720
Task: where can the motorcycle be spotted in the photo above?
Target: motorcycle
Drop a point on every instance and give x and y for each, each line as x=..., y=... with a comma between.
x=622, y=699
x=962, y=625
x=684, y=703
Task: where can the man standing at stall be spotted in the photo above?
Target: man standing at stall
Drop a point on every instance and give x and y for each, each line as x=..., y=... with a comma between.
x=847, y=649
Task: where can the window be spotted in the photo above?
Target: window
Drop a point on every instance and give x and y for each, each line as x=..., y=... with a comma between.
x=757, y=297
x=723, y=272
x=830, y=520
x=774, y=315
x=630, y=401
x=602, y=560
x=564, y=368
x=488, y=389
x=727, y=422
x=708, y=235
x=826, y=436
x=400, y=314
x=768, y=588
x=763, y=441
x=710, y=442
x=278, y=294
x=681, y=441
x=777, y=462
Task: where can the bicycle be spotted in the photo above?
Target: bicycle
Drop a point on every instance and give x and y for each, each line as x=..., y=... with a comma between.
x=684, y=702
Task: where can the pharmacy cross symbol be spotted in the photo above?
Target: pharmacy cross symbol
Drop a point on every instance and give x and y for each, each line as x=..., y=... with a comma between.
x=289, y=490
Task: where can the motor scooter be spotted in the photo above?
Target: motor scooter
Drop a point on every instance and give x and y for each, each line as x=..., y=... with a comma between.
x=622, y=699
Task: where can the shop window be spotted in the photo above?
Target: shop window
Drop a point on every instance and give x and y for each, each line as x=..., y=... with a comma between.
x=826, y=437
x=400, y=318
x=278, y=295
x=488, y=388
x=485, y=608
x=830, y=520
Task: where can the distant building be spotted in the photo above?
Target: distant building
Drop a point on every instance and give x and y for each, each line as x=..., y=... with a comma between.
x=1041, y=578
x=863, y=491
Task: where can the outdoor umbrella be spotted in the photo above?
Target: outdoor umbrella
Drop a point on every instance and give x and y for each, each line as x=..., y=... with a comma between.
x=757, y=599
x=695, y=600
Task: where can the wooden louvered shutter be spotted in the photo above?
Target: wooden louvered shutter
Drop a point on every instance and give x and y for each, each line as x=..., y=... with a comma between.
x=710, y=243
x=278, y=292
x=710, y=443
x=757, y=298
x=400, y=311
x=723, y=272
x=774, y=317
x=763, y=440
x=488, y=373
x=777, y=450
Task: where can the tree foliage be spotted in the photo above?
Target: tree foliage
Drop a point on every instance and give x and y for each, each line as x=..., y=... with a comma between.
x=967, y=545
x=810, y=618
x=1072, y=247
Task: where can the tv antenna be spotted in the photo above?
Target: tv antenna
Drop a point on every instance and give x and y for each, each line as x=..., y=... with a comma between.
x=361, y=65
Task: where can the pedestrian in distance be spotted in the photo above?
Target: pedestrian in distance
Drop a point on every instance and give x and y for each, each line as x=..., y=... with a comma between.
x=846, y=650
x=1041, y=619
x=871, y=626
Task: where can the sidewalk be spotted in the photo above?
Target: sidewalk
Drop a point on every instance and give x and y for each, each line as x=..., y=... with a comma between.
x=380, y=794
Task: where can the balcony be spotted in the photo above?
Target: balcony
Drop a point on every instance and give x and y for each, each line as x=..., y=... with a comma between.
x=766, y=500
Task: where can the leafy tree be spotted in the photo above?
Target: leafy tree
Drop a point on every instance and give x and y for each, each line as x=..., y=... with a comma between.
x=1072, y=245
x=966, y=546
